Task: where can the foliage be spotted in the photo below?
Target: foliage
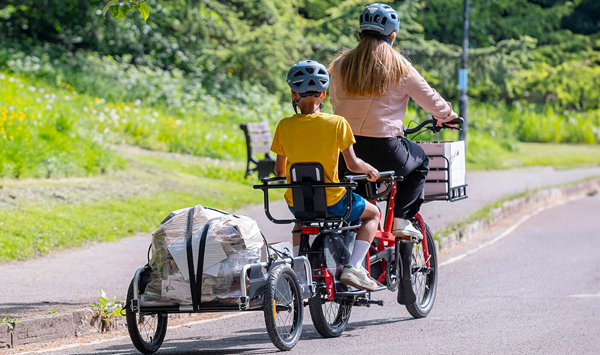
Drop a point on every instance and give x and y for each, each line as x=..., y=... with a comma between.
x=228, y=46
x=49, y=114
x=107, y=307
x=8, y=320
x=40, y=135
x=120, y=9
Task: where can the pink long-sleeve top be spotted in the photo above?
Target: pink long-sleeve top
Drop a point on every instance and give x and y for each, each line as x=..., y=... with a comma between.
x=383, y=116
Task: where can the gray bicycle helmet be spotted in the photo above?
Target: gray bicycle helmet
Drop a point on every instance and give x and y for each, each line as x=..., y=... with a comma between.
x=379, y=17
x=308, y=76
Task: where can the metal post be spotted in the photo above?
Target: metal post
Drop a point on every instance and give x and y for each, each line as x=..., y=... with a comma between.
x=463, y=74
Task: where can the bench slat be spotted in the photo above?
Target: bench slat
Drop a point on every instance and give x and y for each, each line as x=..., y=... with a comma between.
x=258, y=127
x=258, y=149
x=260, y=138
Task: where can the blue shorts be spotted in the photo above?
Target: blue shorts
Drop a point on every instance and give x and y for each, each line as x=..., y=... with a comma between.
x=339, y=208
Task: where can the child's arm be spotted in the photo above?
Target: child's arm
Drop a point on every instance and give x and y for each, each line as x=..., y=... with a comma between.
x=280, y=165
x=357, y=165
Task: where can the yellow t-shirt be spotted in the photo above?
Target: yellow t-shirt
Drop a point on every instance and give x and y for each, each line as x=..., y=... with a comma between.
x=314, y=138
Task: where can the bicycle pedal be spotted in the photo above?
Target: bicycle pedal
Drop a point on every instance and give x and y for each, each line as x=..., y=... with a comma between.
x=367, y=302
x=413, y=239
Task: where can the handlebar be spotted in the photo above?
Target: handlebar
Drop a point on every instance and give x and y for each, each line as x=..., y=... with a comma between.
x=434, y=127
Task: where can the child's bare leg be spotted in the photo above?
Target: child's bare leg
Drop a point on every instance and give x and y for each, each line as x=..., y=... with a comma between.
x=365, y=235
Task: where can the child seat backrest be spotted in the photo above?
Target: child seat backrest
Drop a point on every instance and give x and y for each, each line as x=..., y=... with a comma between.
x=310, y=203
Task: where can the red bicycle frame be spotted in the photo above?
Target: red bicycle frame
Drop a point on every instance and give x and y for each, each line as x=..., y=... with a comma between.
x=387, y=239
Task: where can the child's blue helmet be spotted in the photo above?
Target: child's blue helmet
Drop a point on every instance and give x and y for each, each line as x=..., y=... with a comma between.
x=308, y=76
x=381, y=18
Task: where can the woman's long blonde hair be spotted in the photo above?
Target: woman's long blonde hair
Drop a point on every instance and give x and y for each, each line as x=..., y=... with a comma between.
x=371, y=68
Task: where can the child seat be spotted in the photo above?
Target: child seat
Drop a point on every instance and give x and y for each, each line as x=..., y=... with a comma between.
x=310, y=203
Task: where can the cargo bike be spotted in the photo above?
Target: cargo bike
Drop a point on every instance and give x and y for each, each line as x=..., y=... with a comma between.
x=281, y=286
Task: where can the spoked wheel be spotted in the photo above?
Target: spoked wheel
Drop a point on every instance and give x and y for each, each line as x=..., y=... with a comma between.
x=424, y=283
x=329, y=317
x=147, y=331
x=283, y=307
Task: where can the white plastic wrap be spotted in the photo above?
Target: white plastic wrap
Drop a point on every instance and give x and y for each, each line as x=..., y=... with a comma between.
x=231, y=242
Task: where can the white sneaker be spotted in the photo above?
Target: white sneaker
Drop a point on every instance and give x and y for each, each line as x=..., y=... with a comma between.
x=357, y=277
x=403, y=228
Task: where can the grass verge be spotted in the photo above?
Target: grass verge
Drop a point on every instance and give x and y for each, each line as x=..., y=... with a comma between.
x=486, y=213
x=37, y=217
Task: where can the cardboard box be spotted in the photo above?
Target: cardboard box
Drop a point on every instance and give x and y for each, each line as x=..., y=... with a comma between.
x=444, y=155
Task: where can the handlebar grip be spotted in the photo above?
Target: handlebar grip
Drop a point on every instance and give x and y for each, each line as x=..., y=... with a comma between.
x=458, y=120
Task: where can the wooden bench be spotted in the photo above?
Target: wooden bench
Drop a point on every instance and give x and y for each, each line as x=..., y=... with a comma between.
x=258, y=141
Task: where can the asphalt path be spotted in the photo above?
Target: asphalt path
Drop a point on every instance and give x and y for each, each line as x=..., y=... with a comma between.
x=532, y=286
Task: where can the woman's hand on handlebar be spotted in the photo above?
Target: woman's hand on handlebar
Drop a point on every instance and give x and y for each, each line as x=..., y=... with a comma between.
x=440, y=121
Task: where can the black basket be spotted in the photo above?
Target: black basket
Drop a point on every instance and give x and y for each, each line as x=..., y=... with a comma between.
x=454, y=193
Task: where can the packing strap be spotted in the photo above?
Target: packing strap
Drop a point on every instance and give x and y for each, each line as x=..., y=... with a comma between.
x=196, y=275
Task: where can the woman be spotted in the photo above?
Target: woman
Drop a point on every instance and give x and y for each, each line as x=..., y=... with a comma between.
x=370, y=87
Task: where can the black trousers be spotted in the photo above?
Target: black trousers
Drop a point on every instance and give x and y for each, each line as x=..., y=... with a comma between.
x=404, y=157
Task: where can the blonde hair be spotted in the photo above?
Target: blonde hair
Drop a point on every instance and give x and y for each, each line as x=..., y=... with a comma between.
x=371, y=68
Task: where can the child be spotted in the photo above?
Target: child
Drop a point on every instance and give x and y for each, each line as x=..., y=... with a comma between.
x=312, y=136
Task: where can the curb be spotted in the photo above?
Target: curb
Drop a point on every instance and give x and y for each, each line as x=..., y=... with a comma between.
x=493, y=213
x=48, y=328
x=86, y=321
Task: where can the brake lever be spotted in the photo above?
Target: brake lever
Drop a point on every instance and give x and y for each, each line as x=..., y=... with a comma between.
x=455, y=127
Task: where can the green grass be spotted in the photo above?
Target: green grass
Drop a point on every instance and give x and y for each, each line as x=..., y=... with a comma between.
x=559, y=155
x=40, y=135
x=29, y=228
x=223, y=170
x=71, y=129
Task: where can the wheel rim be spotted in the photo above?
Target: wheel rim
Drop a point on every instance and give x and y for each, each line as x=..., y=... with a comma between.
x=330, y=310
x=284, y=312
x=335, y=312
x=419, y=276
x=148, y=326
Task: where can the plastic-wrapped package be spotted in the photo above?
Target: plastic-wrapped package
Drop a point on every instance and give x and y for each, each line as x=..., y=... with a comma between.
x=231, y=242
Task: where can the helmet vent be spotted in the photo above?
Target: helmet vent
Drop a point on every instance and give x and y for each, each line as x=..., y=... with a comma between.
x=297, y=83
x=311, y=82
x=384, y=21
x=324, y=82
x=366, y=18
x=376, y=19
x=310, y=70
x=393, y=16
x=322, y=72
x=361, y=19
x=298, y=73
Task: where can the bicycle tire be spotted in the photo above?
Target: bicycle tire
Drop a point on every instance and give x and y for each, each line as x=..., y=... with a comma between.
x=282, y=294
x=328, y=322
x=424, y=284
x=150, y=339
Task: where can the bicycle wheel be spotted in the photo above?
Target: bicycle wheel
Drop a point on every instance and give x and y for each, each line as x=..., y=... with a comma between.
x=147, y=332
x=424, y=284
x=283, y=307
x=330, y=318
